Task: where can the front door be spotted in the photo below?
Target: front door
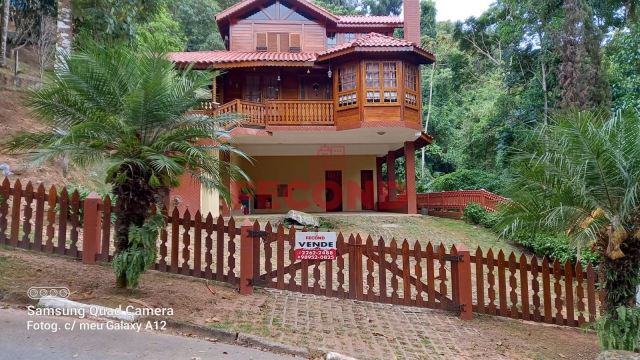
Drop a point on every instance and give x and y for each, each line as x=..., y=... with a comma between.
x=270, y=87
x=333, y=190
x=315, y=88
x=366, y=185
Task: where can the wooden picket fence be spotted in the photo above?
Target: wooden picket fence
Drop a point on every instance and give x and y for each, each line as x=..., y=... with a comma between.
x=451, y=204
x=391, y=272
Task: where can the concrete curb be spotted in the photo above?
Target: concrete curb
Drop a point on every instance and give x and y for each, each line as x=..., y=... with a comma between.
x=256, y=341
x=202, y=331
x=231, y=337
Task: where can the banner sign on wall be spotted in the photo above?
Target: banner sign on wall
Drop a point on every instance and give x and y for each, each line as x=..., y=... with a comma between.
x=316, y=246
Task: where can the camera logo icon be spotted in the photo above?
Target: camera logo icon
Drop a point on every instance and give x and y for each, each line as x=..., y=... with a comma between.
x=38, y=292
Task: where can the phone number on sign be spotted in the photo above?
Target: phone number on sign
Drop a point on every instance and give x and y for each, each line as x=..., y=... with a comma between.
x=315, y=254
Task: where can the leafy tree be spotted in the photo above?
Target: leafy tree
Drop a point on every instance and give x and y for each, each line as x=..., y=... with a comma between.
x=106, y=20
x=196, y=17
x=582, y=77
x=581, y=176
x=129, y=110
x=624, y=72
x=428, y=18
x=161, y=31
x=467, y=180
x=338, y=7
x=383, y=7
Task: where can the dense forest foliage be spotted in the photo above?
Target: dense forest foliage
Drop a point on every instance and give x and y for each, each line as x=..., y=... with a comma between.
x=514, y=67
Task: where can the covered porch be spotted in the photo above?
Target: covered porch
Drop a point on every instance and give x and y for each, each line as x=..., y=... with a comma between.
x=326, y=178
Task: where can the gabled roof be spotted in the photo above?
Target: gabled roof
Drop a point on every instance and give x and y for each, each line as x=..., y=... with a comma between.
x=377, y=43
x=227, y=59
x=248, y=5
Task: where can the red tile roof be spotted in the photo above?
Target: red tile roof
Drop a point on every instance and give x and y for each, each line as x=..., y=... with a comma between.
x=371, y=40
x=375, y=40
x=221, y=56
x=369, y=20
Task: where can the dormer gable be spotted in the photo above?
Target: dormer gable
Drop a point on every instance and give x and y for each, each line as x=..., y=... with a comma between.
x=293, y=26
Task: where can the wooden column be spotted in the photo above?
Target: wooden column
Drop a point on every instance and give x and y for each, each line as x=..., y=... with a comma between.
x=213, y=90
x=391, y=175
x=91, y=228
x=410, y=176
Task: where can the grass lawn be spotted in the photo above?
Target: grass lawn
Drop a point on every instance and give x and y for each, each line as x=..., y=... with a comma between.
x=413, y=228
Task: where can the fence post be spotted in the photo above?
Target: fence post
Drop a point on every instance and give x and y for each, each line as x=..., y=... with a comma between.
x=461, y=277
x=91, y=228
x=246, y=257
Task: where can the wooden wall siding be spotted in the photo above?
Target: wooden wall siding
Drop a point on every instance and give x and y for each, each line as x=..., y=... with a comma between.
x=411, y=115
x=314, y=38
x=347, y=116
x=409, y=273
x=382, y=113
x=243, y=34
x=290, y=86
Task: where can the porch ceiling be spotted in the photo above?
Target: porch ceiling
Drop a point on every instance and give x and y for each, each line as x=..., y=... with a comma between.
x=362, y=141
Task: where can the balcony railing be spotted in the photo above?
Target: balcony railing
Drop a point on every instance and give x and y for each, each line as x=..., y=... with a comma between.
x=300, y=112
x=278, y=112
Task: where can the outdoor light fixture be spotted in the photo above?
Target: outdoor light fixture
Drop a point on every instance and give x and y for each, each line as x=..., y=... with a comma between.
x=278, y=77
x=329, y=73
x=308, y=72
x=381, y=132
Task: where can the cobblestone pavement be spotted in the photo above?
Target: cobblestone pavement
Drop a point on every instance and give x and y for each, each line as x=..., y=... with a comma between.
x=367, y=330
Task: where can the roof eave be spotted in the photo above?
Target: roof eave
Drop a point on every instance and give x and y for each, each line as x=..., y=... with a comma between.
x=371, y=25
x=365, y=49
x=242, y=64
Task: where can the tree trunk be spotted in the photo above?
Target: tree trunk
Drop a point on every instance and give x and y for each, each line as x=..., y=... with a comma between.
x=621, y=277
x=135, y=199
x=544, y=80
x=3, y=33
x=64, y=36
x=426, y=125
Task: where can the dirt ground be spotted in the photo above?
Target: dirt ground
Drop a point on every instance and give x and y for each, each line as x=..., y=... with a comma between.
x=263, y=314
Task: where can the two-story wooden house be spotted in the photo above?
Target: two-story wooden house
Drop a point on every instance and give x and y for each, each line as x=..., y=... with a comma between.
x=328, y=100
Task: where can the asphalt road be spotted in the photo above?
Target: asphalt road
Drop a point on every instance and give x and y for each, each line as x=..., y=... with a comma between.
x=19, y=340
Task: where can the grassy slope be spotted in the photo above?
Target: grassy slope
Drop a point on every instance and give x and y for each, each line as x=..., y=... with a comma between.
x=422, y=228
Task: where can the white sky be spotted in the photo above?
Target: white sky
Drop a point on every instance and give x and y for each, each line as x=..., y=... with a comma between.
x=460, y=9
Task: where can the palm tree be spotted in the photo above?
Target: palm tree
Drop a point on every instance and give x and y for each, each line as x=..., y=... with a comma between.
x=129, y=109
x=581, y=176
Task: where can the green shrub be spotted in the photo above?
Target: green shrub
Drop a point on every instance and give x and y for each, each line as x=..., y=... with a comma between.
x=141, y=255
x=467, y=180
x=619, y=330
x=475, y=214
x=555, y=246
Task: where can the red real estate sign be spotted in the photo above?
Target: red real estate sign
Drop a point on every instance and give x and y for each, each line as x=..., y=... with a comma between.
x=316, y=246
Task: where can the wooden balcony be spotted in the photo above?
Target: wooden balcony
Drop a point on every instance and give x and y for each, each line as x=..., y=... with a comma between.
x=277, y=112
x=300, y=112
